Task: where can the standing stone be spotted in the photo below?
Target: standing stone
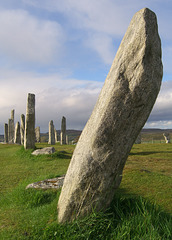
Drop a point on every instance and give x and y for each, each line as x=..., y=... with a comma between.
x=10, y=131
x=63, y=131
x=138, y=139
x=37, y=135
x=29, y=138
x=123, y=106
x=55, y=134
x=17, y=137
x=22, y=128
x=167, y=137
x=51, y=133
x=5, y=133
x=12, y=127
x=67, y=140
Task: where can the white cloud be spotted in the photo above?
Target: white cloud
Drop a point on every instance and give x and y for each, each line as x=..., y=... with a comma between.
x=26, y=38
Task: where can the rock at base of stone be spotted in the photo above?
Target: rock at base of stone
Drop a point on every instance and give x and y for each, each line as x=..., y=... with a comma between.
x=47, y=150
x=53, y=183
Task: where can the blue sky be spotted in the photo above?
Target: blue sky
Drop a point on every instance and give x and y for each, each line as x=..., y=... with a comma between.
x=62, y=51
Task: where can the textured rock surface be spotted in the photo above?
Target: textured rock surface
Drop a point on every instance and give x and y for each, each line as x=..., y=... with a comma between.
x=5, y=133
x=54, y=183
x=17, y=137
x=47, y=150
x=124, y=104
x=63, y=131
x=51, y=133
x=22, y=127
x=29, y=138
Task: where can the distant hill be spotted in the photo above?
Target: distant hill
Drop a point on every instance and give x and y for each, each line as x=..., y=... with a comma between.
x=147, y=135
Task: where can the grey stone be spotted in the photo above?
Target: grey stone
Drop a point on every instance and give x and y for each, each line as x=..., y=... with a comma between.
x=54, y=183
x=167, y=137
x=51, y=140
x=17, y=137
x=22, y=127
x=10, y=131
x=123, y=106
x=29, y=138
x=63, y=131
x=47, y=150
x=37, y=135
x=5, y=133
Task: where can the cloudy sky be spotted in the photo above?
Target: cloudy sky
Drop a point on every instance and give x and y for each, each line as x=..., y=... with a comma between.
x=62, y=50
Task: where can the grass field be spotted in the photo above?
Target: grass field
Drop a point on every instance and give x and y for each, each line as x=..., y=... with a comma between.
x=141, y=208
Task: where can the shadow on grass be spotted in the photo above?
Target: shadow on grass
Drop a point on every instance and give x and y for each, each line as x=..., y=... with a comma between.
x=148, y=153
x=129, y=217
x=60, y=154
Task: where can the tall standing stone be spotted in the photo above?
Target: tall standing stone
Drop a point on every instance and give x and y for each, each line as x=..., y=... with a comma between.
x=17, y=137
x=5, y=133
x=123, y=106
x=55, y=134
x=37, y=135
x=22, y=127
x=12, y=127
x=10, y=131
x=29, y=138
x=51, y=133
x=63, y=131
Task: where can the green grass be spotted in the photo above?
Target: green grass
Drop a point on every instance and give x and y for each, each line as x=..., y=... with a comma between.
x=141, y=208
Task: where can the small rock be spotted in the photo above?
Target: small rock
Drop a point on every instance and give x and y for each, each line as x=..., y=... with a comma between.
x=47, y=150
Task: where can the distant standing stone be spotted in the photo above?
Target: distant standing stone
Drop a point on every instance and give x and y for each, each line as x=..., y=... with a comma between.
x=29, y=139
x=5, y=133
x=51, y=133
x=17, y=137
x=10, y=131
x=37, y=135
x=167, y=137
x=12, y=125
x=63, y=131
x=22, y=128
x=124, y=104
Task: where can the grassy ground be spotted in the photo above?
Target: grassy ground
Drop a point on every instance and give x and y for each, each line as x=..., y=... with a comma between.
x=141, y=208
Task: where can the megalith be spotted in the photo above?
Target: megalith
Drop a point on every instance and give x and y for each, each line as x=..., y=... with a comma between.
x=29, y=138
x=22, y=127
x=167, y=137
x=5, y=133
x=37, y=135
x=10, y=131
x=123, y=106
x=17, y=137
x=63, y=131
x=51, y=140
x=12, y=125
x=55, y=134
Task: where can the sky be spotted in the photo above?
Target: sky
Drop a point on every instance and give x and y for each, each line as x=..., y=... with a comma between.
x=62, y=52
